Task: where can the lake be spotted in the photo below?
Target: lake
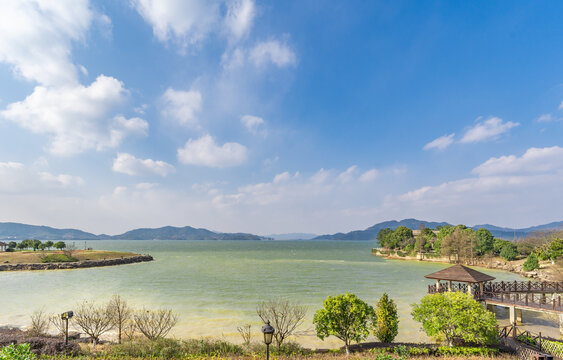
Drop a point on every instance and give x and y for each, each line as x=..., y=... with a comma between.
x=215, y=286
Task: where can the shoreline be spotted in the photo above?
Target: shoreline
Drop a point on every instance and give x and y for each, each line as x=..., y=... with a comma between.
x=76, y=264
x=514, y=267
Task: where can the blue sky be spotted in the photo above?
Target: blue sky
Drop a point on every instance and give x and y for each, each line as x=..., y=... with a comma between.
x=272, y=117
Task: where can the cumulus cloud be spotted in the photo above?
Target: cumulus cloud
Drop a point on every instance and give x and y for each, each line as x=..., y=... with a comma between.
x=369, y=176
x=184, y=22
x=253, y=124
x=15, y=177
x=534, y=160
x=522, y=186
x=36, y=38
x=181, y=106
x=273, y=51
x=440, y=143
x=77, y=118
x=204, y=151
x=240, y=15
x=490, y=129
x=130, y=165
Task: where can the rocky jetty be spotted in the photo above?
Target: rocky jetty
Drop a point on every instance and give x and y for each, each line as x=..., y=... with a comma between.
x=76, y=264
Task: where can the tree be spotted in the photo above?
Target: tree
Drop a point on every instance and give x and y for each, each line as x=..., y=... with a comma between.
x=39, y=323
x=456, y=317
x=485, y=241
x=442, y=233
x=555, y=248
x=12, y=245
x=509, y=252
x=49, y=244
x=94, y=320
x=155, y=324
x=346, y=317
x=499, y=244
x=284, y=316
x=531, y=262
x=59, y=245
x=401, y=237
x=386, y=326
x=120, y=314
x=383, y=236
x=35, y=244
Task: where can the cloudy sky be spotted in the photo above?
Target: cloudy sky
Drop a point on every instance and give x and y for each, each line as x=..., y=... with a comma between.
x=281, y=116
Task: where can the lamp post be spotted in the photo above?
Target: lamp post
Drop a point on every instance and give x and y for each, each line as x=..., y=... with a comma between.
x=65, y=316
x=268, y=331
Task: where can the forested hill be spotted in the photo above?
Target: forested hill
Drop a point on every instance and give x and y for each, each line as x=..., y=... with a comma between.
x=16, y=231
x=414, y=224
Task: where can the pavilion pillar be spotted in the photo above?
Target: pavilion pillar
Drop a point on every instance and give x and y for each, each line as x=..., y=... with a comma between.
x=469, y=289
x=512, y=315
x=438, y=285
x=561, y=324
x=450, y=285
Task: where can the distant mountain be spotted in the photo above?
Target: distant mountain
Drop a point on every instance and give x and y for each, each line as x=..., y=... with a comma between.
x=500, y=232
x=183, y=233
x=371, y=232
x=292, y=236
x=16, y=231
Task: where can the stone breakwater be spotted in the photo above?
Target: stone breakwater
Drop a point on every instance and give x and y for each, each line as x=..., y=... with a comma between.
x=76, y=264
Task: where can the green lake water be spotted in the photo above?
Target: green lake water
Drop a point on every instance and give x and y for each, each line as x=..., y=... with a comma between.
x=214, y=286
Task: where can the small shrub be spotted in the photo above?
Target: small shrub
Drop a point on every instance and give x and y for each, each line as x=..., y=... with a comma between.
x=386, y=326
x=420, y=351
x=466, y=351
x=401, y=254
x=10, y=249
x=16, y=352
x=384, y=357
x=531, y=263
x=55, y=258
x=402, y=351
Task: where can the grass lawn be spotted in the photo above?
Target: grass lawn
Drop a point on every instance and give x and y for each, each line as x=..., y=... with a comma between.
x=31, y=257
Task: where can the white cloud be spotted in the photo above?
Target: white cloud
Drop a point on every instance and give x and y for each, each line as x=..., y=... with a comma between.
x=77, y=118
x=17, y=178
x=561, y=106
x=440, y=143
x=369, y=176
x=520, y=190
x=348, y=175
x=204, y=151
x=181, y=106
x=240, y=15
x=36, y=38
x=272, y=51
x=130, y=165
x=185, y=22
x=545, y=118
x=253, y=124
x=534, y=160
x=490, y=129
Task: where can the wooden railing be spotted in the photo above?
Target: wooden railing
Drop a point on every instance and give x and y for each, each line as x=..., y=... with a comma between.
x=539, y=301
x=528, y=344
x=547, y=287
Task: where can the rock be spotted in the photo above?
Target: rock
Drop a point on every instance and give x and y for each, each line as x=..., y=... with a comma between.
x=76, y=265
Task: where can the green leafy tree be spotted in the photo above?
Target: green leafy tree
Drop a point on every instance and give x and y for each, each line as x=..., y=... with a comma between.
x=402, y=236
x=35, y=244
x=555, y=248
x=455, y=316
x=48, y=244
x=531, y=262
x=509, y=252
x=442, y=233
x=346, y=317
x=499, y=244
x=386, y=326
x=485, y=241
x=59, y=245
x=12, y=244
x=383, y=237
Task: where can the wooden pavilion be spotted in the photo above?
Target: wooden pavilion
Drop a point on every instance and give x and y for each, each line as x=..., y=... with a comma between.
x=3, y=246
x=466, y=278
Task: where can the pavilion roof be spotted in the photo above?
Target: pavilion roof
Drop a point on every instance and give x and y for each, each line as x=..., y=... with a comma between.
x=460, y=273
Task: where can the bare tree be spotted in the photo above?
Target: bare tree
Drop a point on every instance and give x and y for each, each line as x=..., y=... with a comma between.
x=120, y=314
x=245, y=333
x=155, y=323
x=285, y=317
x=94, y=320
x=58, y=323
x=69, y=251
x=39, y=323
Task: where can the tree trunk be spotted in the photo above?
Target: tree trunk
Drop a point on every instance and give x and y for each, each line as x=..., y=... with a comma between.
x=347, y=349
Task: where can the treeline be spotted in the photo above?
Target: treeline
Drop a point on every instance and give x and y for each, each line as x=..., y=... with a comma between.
x=35, y=245
x=464, y=244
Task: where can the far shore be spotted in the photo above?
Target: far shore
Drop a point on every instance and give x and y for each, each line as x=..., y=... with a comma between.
x=547, y=271
x=31, y=260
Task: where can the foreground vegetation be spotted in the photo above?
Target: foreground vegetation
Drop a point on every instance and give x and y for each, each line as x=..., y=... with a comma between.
x=453, y=319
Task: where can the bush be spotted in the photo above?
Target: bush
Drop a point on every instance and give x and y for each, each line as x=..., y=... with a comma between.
x=10, y=249
x=466, y=351
x=531, y=263
x=420, y=351
x=386, y=326
x=17, y=352
x=54, y=258
x=509, y=252
x=172, y=348
x=457, y=317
